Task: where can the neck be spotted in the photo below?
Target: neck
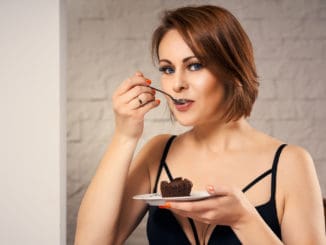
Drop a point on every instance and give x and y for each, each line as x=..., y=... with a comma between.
x=218, y=137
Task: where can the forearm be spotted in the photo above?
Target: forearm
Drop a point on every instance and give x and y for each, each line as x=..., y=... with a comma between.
x=100, y=207
x=256, y=232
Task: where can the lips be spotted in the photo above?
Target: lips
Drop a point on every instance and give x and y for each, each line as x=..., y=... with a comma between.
x=184, y=107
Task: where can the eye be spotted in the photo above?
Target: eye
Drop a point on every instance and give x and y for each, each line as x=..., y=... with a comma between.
x=166, y=69
x=195, y=66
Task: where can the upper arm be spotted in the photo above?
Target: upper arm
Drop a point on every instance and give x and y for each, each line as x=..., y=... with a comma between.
x=138, y=182
x=303, y=220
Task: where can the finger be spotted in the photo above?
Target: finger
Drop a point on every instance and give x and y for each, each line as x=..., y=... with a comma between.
x=140, y=101
x=202, y=216
x=144, y=98
x=220, y=191
x=148, y=106
x=139, y=74
x=191, y=207
x=144, y=92
x=132, y=82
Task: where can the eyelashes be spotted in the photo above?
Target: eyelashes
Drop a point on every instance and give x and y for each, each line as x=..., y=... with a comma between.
x=195, y=66
x=167, y=69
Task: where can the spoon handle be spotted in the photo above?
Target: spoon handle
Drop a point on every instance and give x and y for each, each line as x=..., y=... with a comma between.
x=161, y=91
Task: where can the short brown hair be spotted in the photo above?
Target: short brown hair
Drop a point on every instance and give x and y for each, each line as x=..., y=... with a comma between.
x=220, y=43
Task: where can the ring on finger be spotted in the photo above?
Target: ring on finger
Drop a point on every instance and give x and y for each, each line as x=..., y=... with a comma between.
x=139, y=100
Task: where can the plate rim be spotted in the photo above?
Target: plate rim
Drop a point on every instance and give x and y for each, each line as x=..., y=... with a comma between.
x=157, y=196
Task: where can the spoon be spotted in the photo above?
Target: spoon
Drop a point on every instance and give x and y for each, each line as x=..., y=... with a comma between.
x=175, y=101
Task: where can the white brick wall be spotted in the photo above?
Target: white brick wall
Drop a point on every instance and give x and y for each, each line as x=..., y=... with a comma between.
x=109, y=40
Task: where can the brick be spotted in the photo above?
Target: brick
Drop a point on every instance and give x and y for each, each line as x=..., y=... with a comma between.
x=132, y=9
x=269, y=49
x=87, y=80
x=83, y=9
x=293, y=131
x=307, y=89
x=319, y=151
x=73, y=120
x=274, y=109
x=73, y=167
x=267, y=89
x=269, y=69
x=282, y=28
x=261, y=9
x=89, y=156
x=284, y=89
x=314, y=29
x=73, y=131
x=97, y=91
x=285, y=109
x=319, y=130
x=323, y=54
x=303, y=70
x=73, y=176
x=121, y=59
x=302, y=49
x=96, y=130
x=262, y=125
x=259, y=110
x=92, y=110
x=73, y=204
x=297, y=10
x=322, y=13
x=253, y=29
x=319, y=109
x=304, y=108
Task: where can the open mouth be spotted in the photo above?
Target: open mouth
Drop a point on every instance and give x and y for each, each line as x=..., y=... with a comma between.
x=185, y=105
x=181, y=101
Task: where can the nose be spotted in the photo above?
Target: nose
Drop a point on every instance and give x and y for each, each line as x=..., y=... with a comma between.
x=180, y=83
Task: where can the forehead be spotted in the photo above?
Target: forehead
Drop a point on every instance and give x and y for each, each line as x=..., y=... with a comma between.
x=173, y=47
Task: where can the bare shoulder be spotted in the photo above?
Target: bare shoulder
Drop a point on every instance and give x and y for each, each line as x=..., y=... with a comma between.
x=298, y=182
x=296, y=159
x=296, y=169
x=153, y=149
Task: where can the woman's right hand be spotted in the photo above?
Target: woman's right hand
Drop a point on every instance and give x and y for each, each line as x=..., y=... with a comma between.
x=131, y=101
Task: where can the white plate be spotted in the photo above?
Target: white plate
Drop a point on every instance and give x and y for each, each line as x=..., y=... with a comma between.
x=156, y=199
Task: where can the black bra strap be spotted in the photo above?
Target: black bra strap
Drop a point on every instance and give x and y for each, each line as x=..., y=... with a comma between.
x=168, y=172
x=163, y=164
x=274, y=169
x=194, y=230
x=256, y=180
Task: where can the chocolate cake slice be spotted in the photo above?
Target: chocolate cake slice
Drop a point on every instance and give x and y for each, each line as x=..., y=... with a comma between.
x=176, y=188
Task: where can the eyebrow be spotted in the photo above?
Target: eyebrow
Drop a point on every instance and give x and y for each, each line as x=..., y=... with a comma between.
x=183, y=60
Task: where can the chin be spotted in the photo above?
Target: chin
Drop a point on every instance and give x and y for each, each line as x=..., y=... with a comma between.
x=186, y=122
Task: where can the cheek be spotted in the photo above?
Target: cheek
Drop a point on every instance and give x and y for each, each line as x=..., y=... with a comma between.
x=165, y=82
x=212, y=90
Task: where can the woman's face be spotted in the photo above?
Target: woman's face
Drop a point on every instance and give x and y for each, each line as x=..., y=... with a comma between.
x=183, y=76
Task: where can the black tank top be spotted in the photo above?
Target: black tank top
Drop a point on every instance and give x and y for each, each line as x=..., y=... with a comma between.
x=163, y=228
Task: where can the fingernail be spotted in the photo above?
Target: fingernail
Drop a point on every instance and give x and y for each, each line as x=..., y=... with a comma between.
x=139, y=74
x=158, y=101
x=210, y=188
x=166, y=205
x=148, y=81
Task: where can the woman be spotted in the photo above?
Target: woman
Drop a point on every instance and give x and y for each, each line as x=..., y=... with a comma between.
x=256, y=182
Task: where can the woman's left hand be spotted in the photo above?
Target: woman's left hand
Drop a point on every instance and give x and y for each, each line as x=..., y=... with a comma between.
x=227, y=206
